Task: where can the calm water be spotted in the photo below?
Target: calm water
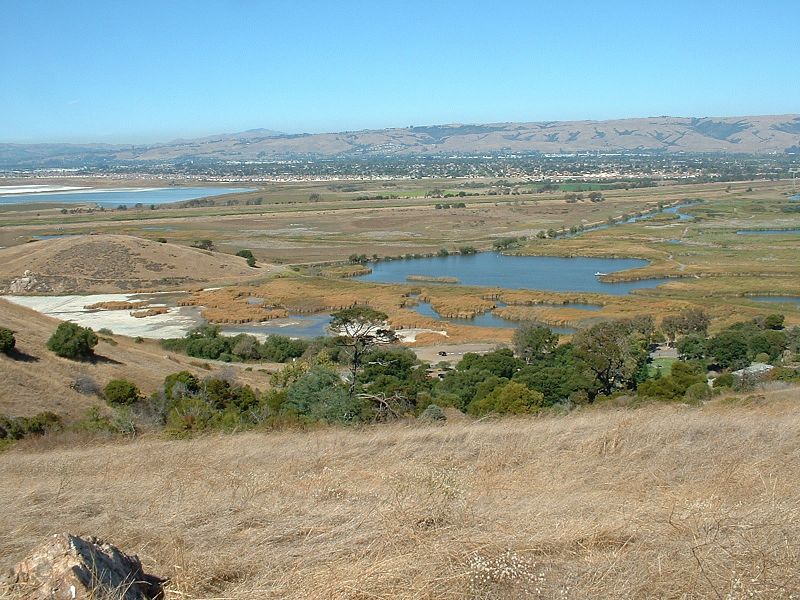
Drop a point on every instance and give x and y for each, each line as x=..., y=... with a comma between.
x=305, y=326
x=486, y=319
x=128, y=197
x=768, y=232
x=491, y=269
x=777, y=299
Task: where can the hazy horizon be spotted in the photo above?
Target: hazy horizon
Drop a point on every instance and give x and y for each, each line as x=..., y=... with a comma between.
x=100, y=72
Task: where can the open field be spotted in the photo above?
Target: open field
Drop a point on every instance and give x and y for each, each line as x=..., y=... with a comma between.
x=664, y=501
x=288, y=227
x=708, y=263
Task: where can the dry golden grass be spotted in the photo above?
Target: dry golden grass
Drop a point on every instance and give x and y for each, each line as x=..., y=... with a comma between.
x=119, y=263
x=38, y=380
x=664, y=501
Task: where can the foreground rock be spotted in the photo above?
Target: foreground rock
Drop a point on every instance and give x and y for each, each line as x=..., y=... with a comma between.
x=67, y=567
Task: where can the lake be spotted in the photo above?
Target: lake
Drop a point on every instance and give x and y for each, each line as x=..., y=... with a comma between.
x=120, y=196
x=492, y=269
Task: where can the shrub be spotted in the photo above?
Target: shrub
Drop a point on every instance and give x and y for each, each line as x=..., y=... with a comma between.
x=248, y=256
x=774, y=321
x=122, y=392
x=433, y=414
x=73, y=341
x=512, y=398
x=724, y=380
x=7, y=340
x=16, y=428
x=697, y=392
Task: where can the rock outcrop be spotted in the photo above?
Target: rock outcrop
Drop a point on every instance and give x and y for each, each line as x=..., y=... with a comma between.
x=29, y=282
x=67, y=567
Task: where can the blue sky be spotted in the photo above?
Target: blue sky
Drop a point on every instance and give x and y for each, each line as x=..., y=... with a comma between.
x=141, y=71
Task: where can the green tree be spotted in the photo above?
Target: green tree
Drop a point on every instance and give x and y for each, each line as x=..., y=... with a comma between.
x=512, y=398
x=122, y=392
x=730, y=349
x=7, y=340
x=359, y=329
x=609, y=353
x=533, y=342
x=73, y=341
x=248, y=256
x=774, y=321
x=319, y=395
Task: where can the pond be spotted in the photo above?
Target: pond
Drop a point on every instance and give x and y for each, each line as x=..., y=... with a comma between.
x=492, y=269
x=113, y=197
x=777, y=299
x=293, y=326
x=485, y=319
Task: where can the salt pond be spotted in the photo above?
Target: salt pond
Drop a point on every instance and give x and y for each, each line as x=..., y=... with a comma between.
x=177, y=322
x=113, y=197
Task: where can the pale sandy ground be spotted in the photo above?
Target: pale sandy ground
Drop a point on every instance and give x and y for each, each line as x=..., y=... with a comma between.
x=455, y=352
x=174, y=324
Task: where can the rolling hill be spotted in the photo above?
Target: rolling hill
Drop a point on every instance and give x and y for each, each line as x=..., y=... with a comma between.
x=34, y=379
x=747, y=134
x=114, y=263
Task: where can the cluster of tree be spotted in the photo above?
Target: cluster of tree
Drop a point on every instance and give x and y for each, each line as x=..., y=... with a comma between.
x=358, y=259
x=763, y=339
x=506, y=243
x=467, y=250
x=207, y=342
x=203, y=244
x=596, y=197
x=453, y=205
x=379, y=197
x=248, y=256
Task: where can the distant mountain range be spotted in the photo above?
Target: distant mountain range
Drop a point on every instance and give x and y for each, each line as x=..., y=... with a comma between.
x=751, y=135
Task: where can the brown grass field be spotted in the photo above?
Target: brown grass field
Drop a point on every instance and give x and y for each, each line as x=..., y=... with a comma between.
x=35, y=379
x=663, y=501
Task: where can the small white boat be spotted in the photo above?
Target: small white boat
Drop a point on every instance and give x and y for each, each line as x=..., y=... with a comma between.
x=599, y=274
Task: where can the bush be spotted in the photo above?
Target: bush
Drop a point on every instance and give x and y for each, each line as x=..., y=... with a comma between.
x=16, y=428
x=7, y=340
x=122, y=392
x=248, y=256
x=73, y=341
x=512, y=398
x=697, y=392
x=724, y=380
x=433, y=414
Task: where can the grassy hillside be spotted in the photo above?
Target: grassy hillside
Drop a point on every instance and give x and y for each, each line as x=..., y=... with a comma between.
x=665, y=501
x=34, y=379
x=113, y=263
